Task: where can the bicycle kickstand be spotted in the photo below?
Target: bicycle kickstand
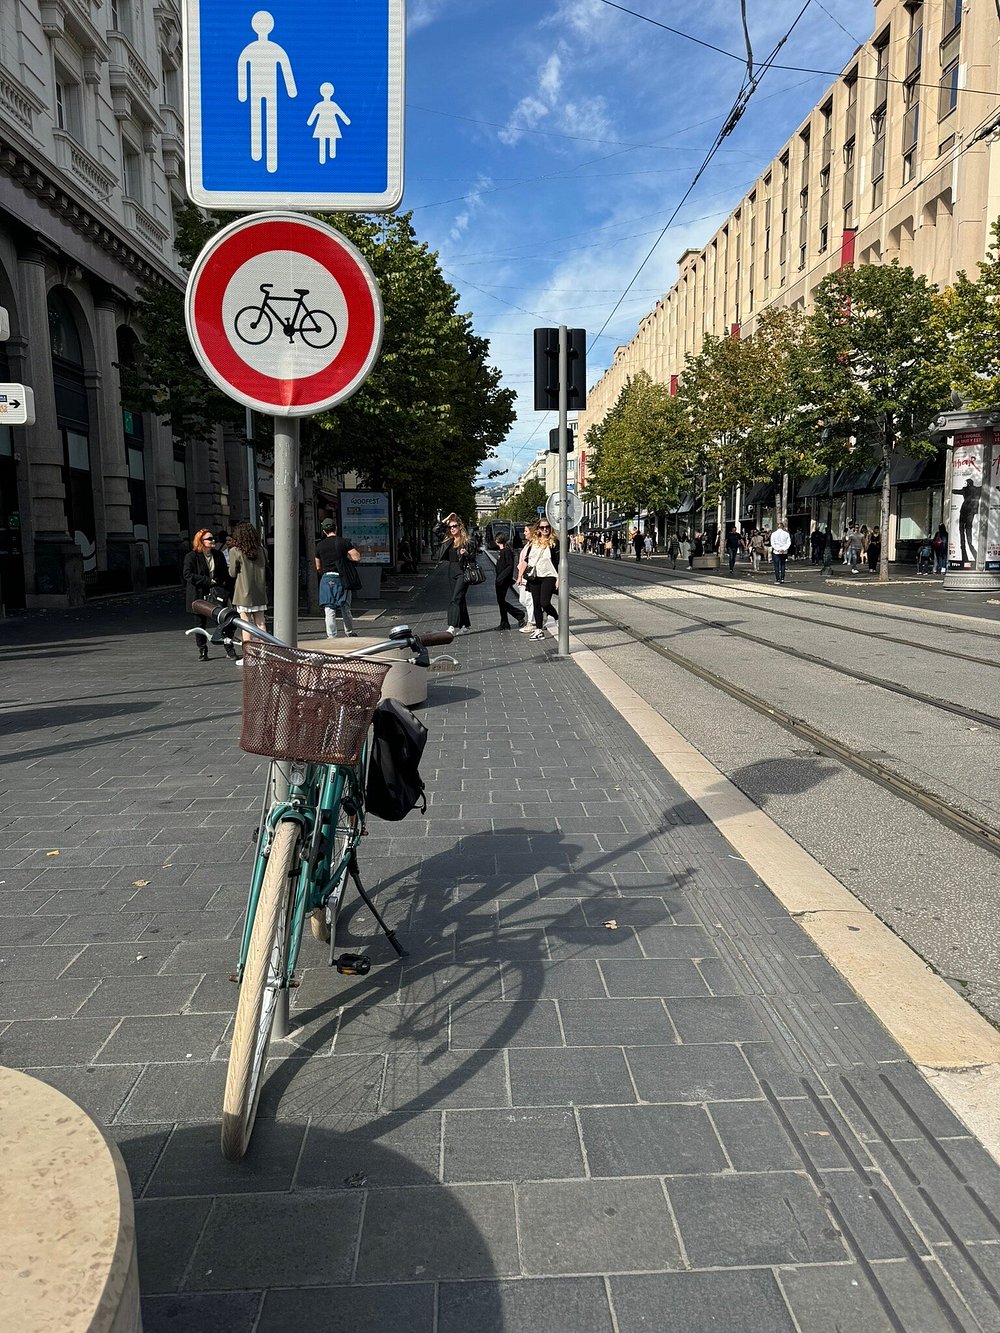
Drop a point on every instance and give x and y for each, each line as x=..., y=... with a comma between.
x=389, y=934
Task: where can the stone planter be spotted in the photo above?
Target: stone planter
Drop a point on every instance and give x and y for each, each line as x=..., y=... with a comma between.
x=705, y=562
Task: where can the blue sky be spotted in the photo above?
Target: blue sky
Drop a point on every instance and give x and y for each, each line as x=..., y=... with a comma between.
x=548, y=141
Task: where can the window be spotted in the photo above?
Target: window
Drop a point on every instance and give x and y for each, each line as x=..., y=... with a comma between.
x=121, y=17
x=67, y=104
x=882, y=71
x=132, y=172
x=878, y=147
x=952, y=15
x=948, y=97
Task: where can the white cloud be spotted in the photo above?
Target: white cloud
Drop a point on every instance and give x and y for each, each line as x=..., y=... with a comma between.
x=473, y=203
x=534, y=107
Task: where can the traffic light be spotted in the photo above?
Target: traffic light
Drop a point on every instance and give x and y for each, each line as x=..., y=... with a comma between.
x=554, y=440
x=547, y=369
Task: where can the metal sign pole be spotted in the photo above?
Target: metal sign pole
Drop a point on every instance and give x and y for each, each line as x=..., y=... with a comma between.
x=563, y=497
x=286, y=592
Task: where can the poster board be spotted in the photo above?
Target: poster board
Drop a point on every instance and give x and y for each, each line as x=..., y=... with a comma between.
x=365, y=520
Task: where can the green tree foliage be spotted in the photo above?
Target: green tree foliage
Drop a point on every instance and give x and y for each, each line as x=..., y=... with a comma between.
x=877, y=367
x=968, y=314
x=638, y=454
x=523, y=507
x=431, y=412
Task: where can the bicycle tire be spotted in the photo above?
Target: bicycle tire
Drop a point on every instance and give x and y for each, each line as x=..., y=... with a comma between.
x=259, y=330
x=267, y=957
x=321, y=336
x=323, y=920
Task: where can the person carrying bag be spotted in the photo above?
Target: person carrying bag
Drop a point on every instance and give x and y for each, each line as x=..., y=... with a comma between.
x=539, y=569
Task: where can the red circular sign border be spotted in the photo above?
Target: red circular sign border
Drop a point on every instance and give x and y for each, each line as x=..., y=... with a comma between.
x=214, y=269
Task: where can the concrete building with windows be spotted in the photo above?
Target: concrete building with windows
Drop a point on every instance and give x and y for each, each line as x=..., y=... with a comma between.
x=93, y=498
x=900, y=159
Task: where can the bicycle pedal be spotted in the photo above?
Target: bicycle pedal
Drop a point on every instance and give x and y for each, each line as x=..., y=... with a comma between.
x=353, y=965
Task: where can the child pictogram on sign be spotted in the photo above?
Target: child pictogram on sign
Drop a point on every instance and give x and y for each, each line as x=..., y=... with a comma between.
x=327, y=114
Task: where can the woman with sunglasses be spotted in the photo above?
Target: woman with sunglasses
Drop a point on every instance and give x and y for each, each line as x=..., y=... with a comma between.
x=539, y=570
x=206, y=574
x=457, y=548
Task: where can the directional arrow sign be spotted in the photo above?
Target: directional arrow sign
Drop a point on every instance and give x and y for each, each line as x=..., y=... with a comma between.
x=553, y=509
x=17, y=405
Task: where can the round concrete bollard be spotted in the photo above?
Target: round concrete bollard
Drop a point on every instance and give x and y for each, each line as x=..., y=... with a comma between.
x=405, y=683
x=67, y=1242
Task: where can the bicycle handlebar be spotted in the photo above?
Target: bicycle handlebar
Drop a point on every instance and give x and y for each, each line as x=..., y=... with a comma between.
x=227, y=618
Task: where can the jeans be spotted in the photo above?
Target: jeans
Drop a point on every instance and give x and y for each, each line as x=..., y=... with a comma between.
x=778, y=561
x=330, y=616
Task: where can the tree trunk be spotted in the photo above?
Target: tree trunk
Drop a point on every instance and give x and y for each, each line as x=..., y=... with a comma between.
x=888, y=436
x=784, y=498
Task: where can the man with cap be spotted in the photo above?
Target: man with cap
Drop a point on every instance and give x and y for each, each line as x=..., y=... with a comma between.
x=335, y=557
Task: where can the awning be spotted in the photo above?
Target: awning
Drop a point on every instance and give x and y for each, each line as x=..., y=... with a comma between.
x=685, y=504
x=847, y=480
x=760, y=493
x=903, y=470
x=814, y=486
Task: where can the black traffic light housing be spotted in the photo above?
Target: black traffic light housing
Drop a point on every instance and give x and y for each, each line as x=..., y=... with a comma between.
x=554, y=440
x=547, y=370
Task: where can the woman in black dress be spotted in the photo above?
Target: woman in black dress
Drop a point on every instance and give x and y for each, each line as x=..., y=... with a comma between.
x=206, y=575
x=458, y=549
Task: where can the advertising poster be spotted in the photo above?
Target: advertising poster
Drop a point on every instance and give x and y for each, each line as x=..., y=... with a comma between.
x=365, y=522
x=993, y=516
x=966, y=489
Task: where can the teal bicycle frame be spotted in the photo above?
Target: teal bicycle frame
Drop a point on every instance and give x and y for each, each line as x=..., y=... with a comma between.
x=318, y=795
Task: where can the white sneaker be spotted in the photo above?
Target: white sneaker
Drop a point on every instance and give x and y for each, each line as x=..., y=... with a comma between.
x=527, y=628
x=538, y=634
x=452, y=629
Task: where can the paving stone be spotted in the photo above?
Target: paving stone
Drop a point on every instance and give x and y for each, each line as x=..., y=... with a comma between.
x=506, y=1024
x=192, y=1163
x=110, y=928
x=738, y=1302
x=650, y=1141
x=569, y=980
x=511, y=1145
x=267, y=1235
x=575, y=1077
x=753, y=1220
x=425, y=1082
x=164, y=1039
x=115, y=960
x=100, y=1091
x=353, y=1152
x=595, y=1226
x=34, y=962
x=453, y=1231
x=140, y=1147
x=228, y=1312
x=594, y=942
x=754, y=1138
x=828, y=1299
x=48, y=1042
x=29, y=929
x=653, y=977
x=140, y=995
x=616, y=1022
x=179, y=1091
x=370, y=1309
x=670, y=941
x=717, y=1019
x=557, y=1305
x=166, y=1231
x=44, y=999
x=386, y=1026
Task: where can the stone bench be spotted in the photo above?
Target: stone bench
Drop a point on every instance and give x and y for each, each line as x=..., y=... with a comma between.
x=67, y=1240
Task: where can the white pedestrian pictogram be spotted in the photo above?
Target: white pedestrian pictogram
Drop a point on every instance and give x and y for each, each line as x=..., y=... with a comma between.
x=326, y=115
x=259, y=63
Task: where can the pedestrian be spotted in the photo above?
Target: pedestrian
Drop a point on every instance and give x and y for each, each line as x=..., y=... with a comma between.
x=248, y=569
x=458, y=549
x=616, y=546
x=780, y=542
x=852, y=548
x=539, y=569
x=338, y=579
x=685, y=551
x=798, y=544
x=698, y=548
x=734, y=545
x=637, y=544
x=673, y=549
x=874, y=550
x=939, y=545
x=206, y=577
x=757, y=545
x=816, y=545
x=648, y=545
x=505, y=581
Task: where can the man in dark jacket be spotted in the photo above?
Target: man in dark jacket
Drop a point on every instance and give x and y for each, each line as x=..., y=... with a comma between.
x=505, y=580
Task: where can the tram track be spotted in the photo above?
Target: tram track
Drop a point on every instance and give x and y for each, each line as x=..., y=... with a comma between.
x=961, y=821
x=760, y=602
x=945, y=705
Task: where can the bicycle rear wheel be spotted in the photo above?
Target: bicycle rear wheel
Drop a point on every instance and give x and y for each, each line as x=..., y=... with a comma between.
x=263, y=974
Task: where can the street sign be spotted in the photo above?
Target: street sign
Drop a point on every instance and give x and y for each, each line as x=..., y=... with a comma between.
x=284, y=314
x=553, y=509
x=17, y=405
x=297, y=107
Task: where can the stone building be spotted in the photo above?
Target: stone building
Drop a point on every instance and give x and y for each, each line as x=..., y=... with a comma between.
x=900, y=159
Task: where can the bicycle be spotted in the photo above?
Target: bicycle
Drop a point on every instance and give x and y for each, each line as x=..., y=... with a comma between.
x=312, y=711
x=254, y=324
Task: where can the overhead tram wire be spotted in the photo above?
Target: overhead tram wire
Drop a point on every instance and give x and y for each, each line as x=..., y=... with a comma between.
x=732, y=120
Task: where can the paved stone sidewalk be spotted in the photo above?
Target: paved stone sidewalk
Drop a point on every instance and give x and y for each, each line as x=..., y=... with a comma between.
x=611, y=1088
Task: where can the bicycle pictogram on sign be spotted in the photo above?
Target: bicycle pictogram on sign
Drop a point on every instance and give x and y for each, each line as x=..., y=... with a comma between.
x=254, y=324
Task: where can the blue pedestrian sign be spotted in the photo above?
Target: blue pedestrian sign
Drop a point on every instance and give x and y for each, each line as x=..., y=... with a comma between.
x=294, y=105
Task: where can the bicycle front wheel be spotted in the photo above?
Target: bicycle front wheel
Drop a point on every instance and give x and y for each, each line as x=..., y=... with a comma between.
x=320, y=331
x=253, y=325
x=263, y=977
x=323, y=920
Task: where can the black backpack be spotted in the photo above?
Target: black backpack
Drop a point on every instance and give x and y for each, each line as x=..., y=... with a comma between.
x=394, y=782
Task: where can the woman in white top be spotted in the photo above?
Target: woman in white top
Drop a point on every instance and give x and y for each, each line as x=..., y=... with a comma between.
x=539, y=569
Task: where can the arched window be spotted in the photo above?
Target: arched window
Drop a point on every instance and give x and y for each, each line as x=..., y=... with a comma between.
x=73, y=418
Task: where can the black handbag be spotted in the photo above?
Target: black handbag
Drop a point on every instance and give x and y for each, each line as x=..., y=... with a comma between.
x=472, y=574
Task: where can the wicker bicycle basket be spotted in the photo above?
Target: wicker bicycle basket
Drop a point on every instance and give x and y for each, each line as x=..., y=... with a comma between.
x=307, y=706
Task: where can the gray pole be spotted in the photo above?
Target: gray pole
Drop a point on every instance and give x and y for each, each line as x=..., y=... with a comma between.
x=286, y=592
x=563, y=489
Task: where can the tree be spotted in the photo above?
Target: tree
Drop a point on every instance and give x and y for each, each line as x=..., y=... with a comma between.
x=968, y=314
x=637, y=455
x=523, y=507
x=877, y=365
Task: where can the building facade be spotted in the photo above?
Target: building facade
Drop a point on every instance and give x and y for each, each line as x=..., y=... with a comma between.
x=899, y=160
